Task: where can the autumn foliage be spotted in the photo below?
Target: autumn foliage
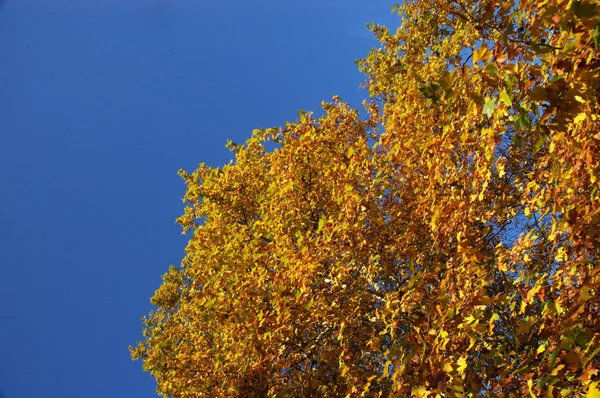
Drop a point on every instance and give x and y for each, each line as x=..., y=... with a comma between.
x=445, y=243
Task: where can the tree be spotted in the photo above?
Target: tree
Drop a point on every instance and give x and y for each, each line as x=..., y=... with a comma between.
x=444, y=245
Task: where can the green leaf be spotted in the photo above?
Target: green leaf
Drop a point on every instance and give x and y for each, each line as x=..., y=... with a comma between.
x=505, y=98
x=510, y=81
x=538, y=145
x=517, y=140
x=521, y=121
x=596, y=36
x=431, y=91
x=491, y=69
x=488, y=108
x=446, y=83
x=322, y=222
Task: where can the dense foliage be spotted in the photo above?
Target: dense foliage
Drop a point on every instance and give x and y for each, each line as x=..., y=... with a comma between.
x=447, y=244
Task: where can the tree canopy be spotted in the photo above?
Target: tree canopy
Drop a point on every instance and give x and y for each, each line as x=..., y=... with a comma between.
x=445, y=243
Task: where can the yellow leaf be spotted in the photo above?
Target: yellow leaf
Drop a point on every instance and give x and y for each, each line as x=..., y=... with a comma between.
x=420, y=392
x=561, y=255
x=434, y=219
x=462, y=364
x=531, y=293
x=579, y=118
x=480, y=196
x=493, y=319
x=344, y=369
x=541, y=348
x=459, y=388
x=483, y=53
x=530, y=385
x=523, y=306
x=500, y=168
x=593, y=391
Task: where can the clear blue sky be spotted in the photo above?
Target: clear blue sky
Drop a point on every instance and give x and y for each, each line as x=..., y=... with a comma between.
x=101, y=102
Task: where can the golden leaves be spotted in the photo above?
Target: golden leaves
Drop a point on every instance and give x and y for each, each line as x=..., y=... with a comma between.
x=461, y=237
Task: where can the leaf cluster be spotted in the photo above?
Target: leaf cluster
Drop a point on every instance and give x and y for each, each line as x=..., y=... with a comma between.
x=447, y=244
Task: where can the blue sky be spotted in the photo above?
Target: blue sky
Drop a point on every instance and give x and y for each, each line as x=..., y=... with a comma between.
x=101, y=102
